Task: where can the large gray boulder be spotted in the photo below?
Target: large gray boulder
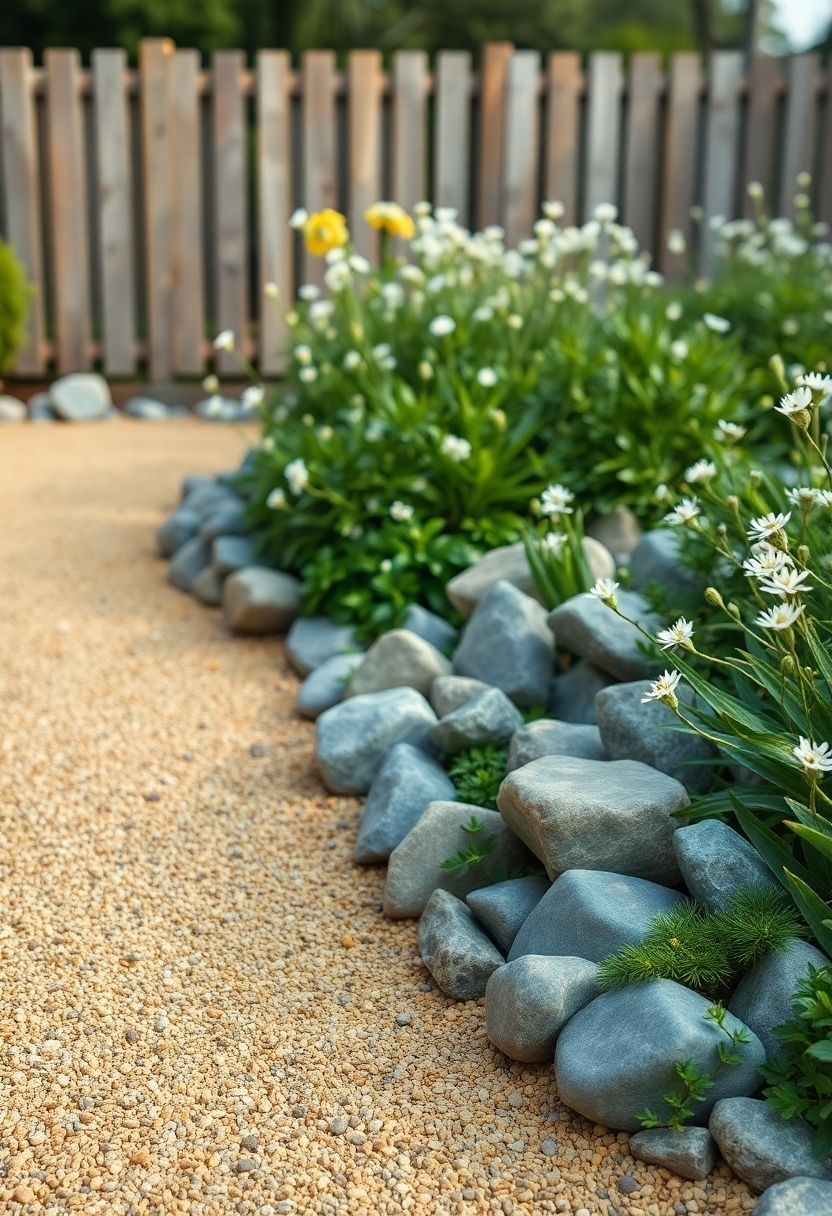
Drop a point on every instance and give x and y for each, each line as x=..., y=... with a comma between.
x=414, y=871
x=763, y=997
x=230, y=553
x=398, y=659
x=447, y=693
x=796, y=1197
x=255, y=600
x=227, y=519
x=572, y=693
x=407, y=782
x=314, y=639
x=80, y=396
x=595, y=815
x=619, y=532
x=690, y=1152
x=489, y=717
x=591, y=630
x=508, y=643
x=530, y=1000
x=326, y=685
x=716, y=861
x=434, y=629
x=503, y=907
x=509, y=564
x=352, y=739
x=592, y=914
x=651, y=733
x=656, y=559
x=177, y=530
x=618, y=1056
x=548, y=737
x=459, y=956
x=761, y=1146
x=188, y=561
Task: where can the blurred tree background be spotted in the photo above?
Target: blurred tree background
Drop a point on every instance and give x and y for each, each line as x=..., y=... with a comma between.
x=624, y=25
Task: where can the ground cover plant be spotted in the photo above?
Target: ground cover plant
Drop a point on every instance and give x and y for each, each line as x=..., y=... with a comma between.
x=14, y=301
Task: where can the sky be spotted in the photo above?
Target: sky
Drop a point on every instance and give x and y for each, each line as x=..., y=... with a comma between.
x=802, y=21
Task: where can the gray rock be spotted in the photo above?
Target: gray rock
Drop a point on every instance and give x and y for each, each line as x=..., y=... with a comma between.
x=618, y=1055
x=509, y=564
x=455, y=950
x=572, y=693
x=592, y=631
x=414, y=872
x=715, y=861
x=504, y=907
x=207, y=588
x=187, y=562
x=398, y=659
x=255, y=600
x=196, y=482
x=507, y=643
x=761, y=1146
x=407, y=782
x=763, y=997
x=652, y=733
x=619, y=532
x=221, y=409
x=326, y=685
x=447, y=693
x=227, y=519
x=488, y=718
x=656, y=560
x=592, y=914
x=40, y=408
x=796, y=1197
x=207, y=497
x=690, y=1152
x=548, y=737
x=314, y=639
x=230, y=553
x=530, y=1000
x=595, y=815
x=352, y=739
x=12, y=409
x=80, y=396
x=146, y=408
x=434, y=629
x=178, y=528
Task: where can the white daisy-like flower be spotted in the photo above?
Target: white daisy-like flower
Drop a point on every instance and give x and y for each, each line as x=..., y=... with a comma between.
x=253, y=396
x=224, y=340
x=673, y=311
x=514, y=321
x=703, y=470
x=815, y=757
x=662, y=493
x=267, y=443
x=297, y=475
x=308, y=375
x=553, y=209
x=783, y=616
x=825, y=498
x=765, y=526
x=487, y=377
x=786, y=582
x=730, y=432
x=817, y=382
x=555, y=500
x=303, y=354
x=309, y=291
x=276, y=499
x=679, y=634
x=401, y=512
x=483, y=313
x=718, y=325
x=676, y=242
x=319, y=310
x=679, y=350
x=799, y=399
x=441, y=326
x=663, y=689
x=298, y=218
x=805, y=498
x=359, y=264
x=554, y=542
x=338, y=276
x=211, y=385
x=455, y=448
x=351, y=360
x=685, y=512
x=606, y=213
x=766, y=560
x=604, y=590
x=271, y=291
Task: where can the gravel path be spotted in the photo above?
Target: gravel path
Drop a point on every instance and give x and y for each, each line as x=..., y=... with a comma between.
x=202, y=1008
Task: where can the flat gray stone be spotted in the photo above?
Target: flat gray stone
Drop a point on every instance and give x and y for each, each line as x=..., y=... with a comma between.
x=618, y=1055
x=595, y=815
x=177, y=529
x=447, y=693
x=690, y=1152
x=489, y=717
x=548, y=737
x=255, y=600
x=146, y=409
x=207, y=588
x=434, y=629
x=12, y=409
x=592, y=914
x=352, y=739
x=508, y=644
x=761, y=1146
x=509, y=564
x=398, y=659
x=80, y=396
x=326, y=685
x=716, y=861
x=504, y=907
x=227, y=519
x=407, y=782
x=763, y=997
x=652, y=733
x=230, y=553
x=530, y=1000
x=455, y=950
x=656, y=560
x=572, y=693
x=796, y=1197
x=194, y=482
x=206, y=497
x=187, y=562
x=587, y=628
x=222, y=409
x=414, y=872
x=314, y=639
x=619, y=532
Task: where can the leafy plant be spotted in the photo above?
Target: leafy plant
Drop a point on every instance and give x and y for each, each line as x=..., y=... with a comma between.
x=474, y=852
x=14, y=303
x=555, y=550
x=478, y=773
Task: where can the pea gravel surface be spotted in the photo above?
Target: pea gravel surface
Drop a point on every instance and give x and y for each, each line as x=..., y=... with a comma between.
x=202, y=1007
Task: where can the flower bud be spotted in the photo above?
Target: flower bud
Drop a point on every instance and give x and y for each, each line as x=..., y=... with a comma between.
x=714, y=598
x=733, y=611
x=732, y=502
x=787, y=665
x=778, y=367
x=803, y=555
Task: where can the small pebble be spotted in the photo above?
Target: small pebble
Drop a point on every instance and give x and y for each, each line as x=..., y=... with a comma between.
x=187, y=755
x=329, y=846
x=549, y=1147
x=627, y=1185
x=130, y=1036
x=426, y=987
x=517, y=1146
x=161, y=1024
x=245, y=1165
x=258, y=749
x=86, y=1103
x=339, y=1125
x=250, y=1143
x=516, y=1100
x=402, y=1019
x=284, y=1206
x=298, y=1112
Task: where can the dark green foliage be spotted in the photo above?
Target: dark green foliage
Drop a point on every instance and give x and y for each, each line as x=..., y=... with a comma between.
x=474, y=852
x=14, y=301
x=478, y=773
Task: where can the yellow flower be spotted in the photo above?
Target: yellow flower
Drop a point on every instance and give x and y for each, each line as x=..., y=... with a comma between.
x=325, y=230
x=393, y=218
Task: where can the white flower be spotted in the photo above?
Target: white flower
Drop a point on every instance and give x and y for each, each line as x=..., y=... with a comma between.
x=783, y=616
x=320, y=310
x=271, y=291
x=765, y=526
x=338, y=276
x=805, y=498
x=297, y=475
x=514, y=321
x=663, y=689
x=225, y=340
x=425, y=370
x=662, y=493
x=487, y=377
x=676, y=242
x=276, y=499
x=765, y=561
x=604, y=590
x=298, y=218
x=214, y=406
x=786, y=581
x=253, y=396
x=351, y=360
x=703, y=470
x=606, y=213
x=445, y=215
x=673, y=311
x=411, y=274
x=554, y=542
x=309, y=291
x=730, y=432
x=359, y=264
x=441, y=326
x=454, y=448
x=677, y=635
x=825, y=498
x=553, y=209
x=308, y=375
x=555, y=500
x=211, y=385
x=755, y=190
x=816, y=382
x=814, y=757
x=401, y=512
x=719, y=325
x=679, y=349
x=303, y=354
x=794, y=402
x=483, y=313
x=684, y=512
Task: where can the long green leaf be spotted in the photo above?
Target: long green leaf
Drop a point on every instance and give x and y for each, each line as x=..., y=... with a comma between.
x=774, y=851
x=815, y=911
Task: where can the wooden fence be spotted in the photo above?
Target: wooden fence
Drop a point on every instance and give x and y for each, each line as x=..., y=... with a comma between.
x=149, y=206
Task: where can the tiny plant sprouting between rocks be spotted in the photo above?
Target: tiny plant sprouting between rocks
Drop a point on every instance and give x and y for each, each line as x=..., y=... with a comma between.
x=696, y=1083
x=476, y=852
x=478, y=773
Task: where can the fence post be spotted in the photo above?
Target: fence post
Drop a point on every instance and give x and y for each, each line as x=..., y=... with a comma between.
x=799, y=128
x=681, y=139
x=602, y=126
x=641, y=150
x=410, y=91
x=274, y=196
x=366, y=81
x=721, y=147
x=564, y=84
x=453, y=132
x=522, y=126
x=319, y=173
x=496, y=57
x=154, y=54
x=230, y=192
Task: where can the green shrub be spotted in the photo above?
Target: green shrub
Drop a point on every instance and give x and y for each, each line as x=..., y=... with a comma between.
x=14, y=304
x=478, y=773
